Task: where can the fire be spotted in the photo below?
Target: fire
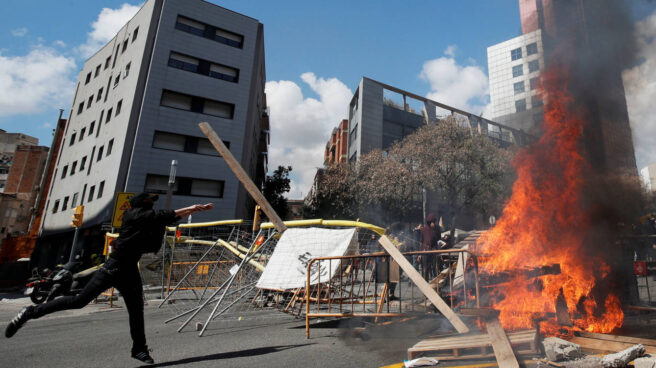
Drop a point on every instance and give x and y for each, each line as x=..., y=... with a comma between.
x=545, y=223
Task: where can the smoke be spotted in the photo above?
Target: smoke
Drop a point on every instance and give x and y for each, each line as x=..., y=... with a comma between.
x=593, y=42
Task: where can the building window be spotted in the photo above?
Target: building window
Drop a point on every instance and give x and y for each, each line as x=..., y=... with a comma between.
x=92, y=191
x=518, y=87
x=118, y=107
x=101, y=187
x=97, y=71
x=72, y=139
x=55, y=207
x=82, y=133
x=204, y=67
x=73, y=167
x=134, y=34
x=516, y=54
x=353, y=157
x=520, y=105
x=518, y=70
x=125, y=46
x=354, y=134
x=74, y=201
x=533, y=83
x=91, y=126
x=116, y=80
x=536, y=101
x=185, y=143
x=99, y=95
x=83, y=162
x=100, y=152
x=88, y=78
x=65, y=203
x=64, y=171
x=197, y=104
x=532, y=48
x=109, y=116
x=210, y=32
x=118, y=47
x=89, y=101
x=109, y=147
x=185, y=186
x=80, y=108
x=107, y=61
x=127, y=70
x=533, y=66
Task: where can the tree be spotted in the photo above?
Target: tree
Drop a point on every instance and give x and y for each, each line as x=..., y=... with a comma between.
x=275, y=186
x=465, y=169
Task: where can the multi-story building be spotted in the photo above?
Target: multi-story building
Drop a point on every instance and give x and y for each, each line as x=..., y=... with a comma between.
x=589, y=38
x=514, y=69
x=648, y=176
x=137, y=106
x=380, y=114
x=8, y=144
x=17, y=201
x=337, y=145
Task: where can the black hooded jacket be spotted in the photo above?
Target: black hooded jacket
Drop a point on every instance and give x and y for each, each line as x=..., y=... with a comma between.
x=142, y=229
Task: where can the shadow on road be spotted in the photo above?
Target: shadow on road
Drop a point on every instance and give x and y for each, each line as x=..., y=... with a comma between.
x=228, y=355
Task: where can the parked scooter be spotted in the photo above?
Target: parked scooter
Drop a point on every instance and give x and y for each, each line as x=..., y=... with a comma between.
x=63, y=280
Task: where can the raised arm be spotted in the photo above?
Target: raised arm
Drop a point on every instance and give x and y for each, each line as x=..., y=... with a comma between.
x=186, y=211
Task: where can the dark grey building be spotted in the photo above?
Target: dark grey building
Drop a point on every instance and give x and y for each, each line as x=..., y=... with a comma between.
x=380, y=115
x=137, y=106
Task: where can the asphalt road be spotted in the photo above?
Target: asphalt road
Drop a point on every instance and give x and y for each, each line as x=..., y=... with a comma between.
x=97, y=336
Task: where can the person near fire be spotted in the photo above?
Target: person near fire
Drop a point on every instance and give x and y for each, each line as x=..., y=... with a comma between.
x=141, y=232
x=430, y=234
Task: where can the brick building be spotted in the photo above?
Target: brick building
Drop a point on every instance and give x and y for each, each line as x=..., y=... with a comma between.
x=8, y=144
x=337, y=146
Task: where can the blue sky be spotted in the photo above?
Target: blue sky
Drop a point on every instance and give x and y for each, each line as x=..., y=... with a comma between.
x=316, y=53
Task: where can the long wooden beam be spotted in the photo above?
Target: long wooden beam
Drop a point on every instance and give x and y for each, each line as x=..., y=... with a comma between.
x=500, y=344
x=423, y=285
x=242, y=176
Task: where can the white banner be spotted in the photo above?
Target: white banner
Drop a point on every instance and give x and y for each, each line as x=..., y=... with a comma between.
x=287, y=268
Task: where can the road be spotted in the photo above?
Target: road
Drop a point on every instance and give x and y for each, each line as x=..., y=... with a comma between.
x=97, y=336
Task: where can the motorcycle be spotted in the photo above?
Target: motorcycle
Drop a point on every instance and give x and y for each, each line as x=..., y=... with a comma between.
x=63, y=280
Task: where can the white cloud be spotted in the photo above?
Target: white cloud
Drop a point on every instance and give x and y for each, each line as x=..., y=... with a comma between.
x=35, y=82
x=640, y=85
x=301, y=126
x=108, y=23
x=19, y=32
x=59, y=43
x=464, y=87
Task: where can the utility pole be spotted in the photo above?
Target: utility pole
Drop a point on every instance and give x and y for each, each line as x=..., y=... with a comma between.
x=169, y=194
x=76, y=223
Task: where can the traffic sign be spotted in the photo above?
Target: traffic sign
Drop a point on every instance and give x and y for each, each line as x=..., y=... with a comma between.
x=121, y=204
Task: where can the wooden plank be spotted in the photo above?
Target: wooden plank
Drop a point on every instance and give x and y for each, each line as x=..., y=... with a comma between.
x=607, y=337
x=423, y=286
x=605, y=346
x=242, y=176
x=479, y=312
x=501, y=345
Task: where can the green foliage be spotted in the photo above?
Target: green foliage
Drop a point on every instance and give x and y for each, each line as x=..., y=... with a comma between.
x=275, y=186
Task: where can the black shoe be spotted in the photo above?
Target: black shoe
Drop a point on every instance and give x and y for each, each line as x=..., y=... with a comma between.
x=18, y=321
x=143, y=356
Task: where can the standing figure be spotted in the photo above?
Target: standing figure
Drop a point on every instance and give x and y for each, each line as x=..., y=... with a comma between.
x=141, y=232
x=429, y=237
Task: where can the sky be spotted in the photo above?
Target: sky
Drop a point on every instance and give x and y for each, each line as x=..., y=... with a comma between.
x=316, y=53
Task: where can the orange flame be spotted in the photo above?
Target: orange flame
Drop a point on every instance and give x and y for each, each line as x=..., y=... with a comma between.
x=544, y=223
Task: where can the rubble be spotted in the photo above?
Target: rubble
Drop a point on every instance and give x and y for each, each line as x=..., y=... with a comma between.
x=622, y=358
x=560, y=350
x=645, y=362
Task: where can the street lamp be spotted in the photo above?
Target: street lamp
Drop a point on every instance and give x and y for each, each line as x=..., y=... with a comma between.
x=169, y=194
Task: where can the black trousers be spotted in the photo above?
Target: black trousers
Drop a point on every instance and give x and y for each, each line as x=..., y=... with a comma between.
x=126, y=279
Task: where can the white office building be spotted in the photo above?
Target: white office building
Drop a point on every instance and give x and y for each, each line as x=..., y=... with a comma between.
x=137, y=106
x=514, y=68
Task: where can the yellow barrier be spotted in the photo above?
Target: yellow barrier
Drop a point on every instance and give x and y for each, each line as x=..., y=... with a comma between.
x=377, y=229
x=230, y=248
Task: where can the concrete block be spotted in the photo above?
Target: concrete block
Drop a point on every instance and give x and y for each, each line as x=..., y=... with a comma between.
x=645, y=362
x=560, y=350
x=622, y=358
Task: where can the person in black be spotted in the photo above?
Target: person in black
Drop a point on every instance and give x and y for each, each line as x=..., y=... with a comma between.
x=142, y=232
x=429, y=237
